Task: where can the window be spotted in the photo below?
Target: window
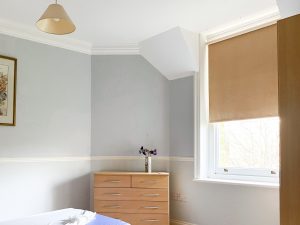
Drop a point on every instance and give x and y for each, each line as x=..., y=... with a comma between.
x=236, y=110
x=245, y=150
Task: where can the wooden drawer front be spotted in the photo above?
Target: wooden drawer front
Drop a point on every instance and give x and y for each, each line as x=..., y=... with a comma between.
x=112, y=193
x=130, y=207
x=150, y=219
x=131, y=194
x=141, y=219
x=150, y=181
x=151, y=194
x=112, y=181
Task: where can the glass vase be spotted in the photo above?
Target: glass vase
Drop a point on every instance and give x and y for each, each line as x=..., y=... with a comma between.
x=148, y=164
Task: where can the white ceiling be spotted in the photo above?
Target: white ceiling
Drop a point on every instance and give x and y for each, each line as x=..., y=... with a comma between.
x=123, y=22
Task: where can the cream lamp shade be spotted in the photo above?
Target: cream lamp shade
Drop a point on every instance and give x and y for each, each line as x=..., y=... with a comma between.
x=55, y=20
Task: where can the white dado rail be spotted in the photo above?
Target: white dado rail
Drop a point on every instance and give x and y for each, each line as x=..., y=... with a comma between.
x=88, y=158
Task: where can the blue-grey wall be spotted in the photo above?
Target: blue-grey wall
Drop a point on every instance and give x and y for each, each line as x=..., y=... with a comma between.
x=182, y=117
x=53, y=119
x=130, y=106
x=53, y=101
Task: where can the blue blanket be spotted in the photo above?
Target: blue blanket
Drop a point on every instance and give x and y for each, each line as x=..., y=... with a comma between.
x=57, y=218
x=103, y=220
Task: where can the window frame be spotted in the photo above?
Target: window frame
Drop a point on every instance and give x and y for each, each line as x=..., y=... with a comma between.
x=204, y=140
x=250, y=174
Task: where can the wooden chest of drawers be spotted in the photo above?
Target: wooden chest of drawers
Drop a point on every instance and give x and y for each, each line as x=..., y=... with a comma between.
x=134, y=197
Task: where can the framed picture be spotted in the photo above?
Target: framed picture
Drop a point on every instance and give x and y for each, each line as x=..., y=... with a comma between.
x=8, y=80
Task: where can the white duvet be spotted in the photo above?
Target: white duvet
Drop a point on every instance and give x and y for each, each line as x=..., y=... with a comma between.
x=59, y=217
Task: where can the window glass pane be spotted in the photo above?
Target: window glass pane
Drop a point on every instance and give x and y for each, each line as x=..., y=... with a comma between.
x=249, y=144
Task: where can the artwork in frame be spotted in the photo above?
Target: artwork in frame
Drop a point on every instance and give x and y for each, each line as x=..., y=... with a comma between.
x=8, y=79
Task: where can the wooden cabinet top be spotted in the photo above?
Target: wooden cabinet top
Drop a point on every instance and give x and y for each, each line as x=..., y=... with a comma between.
x=131, y=173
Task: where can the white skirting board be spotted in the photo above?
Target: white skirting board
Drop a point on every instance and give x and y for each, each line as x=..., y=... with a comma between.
x=179, y=222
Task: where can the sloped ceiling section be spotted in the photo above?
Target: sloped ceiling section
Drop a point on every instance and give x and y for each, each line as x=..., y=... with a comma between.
x=288, y=8
x=174, y=53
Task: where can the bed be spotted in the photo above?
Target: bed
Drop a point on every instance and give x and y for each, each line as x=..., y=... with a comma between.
x=66, y=217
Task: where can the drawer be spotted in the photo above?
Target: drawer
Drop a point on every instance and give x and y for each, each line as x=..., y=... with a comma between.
x=130, y=207
x=150, y=181
x=112, y=181
x=151, y=219
x=131, y=194
x=141, y=219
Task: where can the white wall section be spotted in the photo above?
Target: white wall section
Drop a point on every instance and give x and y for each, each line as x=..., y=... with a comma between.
x=174, y=53
x=288, y=8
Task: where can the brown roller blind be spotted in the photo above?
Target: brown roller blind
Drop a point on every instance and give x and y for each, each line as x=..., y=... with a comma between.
x=243, y=77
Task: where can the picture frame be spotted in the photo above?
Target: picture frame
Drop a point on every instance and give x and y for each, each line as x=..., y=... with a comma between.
x=8, y=85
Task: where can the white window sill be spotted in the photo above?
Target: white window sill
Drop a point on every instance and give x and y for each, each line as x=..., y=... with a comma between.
x=238, y=182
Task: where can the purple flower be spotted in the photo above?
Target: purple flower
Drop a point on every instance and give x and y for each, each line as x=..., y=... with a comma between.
x=154, y=152
x=147, y=152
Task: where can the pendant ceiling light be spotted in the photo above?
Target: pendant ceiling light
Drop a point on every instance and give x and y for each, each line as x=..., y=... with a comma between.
x=55, y=20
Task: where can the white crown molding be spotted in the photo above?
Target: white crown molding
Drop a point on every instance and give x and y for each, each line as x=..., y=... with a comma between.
x=242, y=26
x=88, y=158
x=179, y=222
x=131, y=49
x=31, y=34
